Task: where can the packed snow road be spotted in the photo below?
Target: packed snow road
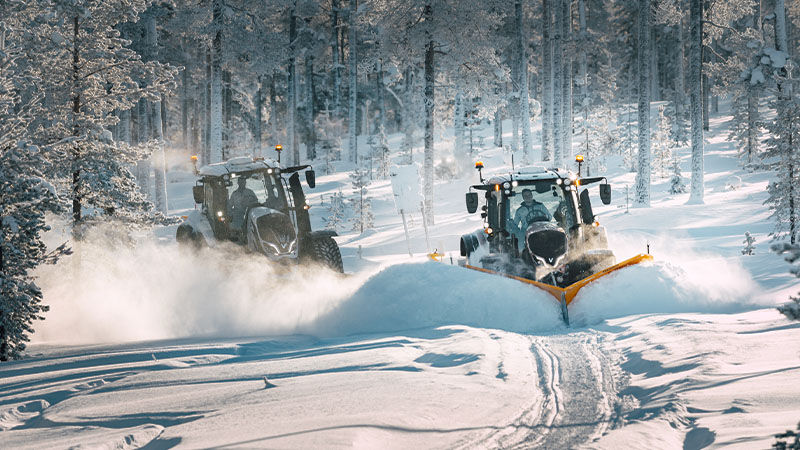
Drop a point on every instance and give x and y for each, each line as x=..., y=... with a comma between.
x=442, y=387
x=573, y=399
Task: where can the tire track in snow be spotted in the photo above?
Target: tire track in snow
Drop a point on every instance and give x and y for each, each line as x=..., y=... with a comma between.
x=572, y=404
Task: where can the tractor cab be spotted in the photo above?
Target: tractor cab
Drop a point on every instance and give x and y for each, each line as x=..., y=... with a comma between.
x=260, y=205
x=229, y=190
x=537, y=223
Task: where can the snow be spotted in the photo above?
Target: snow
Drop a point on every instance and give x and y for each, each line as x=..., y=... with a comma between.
x=156, y=346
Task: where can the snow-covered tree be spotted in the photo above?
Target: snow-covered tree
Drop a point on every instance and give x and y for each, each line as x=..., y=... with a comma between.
x=663, y=144
x=25, y=195
x=642, y=190
x=524, y=103
x=676, y=184
x=336, y=216
x=746, y=125
x=87, y=72
x=782, y=157
x=329, y=128
x=353, y=62
x=362, y=218
x=749, y=244
x=381, y=155
x=792, y=252
x=696, y=98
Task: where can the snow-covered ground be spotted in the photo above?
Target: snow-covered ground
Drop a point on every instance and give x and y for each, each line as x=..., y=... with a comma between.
x=157, y=347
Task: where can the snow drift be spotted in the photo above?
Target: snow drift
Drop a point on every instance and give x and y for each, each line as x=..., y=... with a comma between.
x=111, y=292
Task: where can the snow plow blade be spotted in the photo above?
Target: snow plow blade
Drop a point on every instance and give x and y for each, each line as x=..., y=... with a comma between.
x=565, y=295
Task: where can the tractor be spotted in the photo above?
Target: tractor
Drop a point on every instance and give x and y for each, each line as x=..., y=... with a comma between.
x=539, y=228
x=259, y=205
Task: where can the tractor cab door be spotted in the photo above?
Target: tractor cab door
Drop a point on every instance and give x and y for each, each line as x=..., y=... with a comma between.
x=299, y=199
x=215, y=199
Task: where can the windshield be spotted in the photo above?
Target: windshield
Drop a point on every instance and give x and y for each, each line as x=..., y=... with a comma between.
x=266, y=189
x=543, y=201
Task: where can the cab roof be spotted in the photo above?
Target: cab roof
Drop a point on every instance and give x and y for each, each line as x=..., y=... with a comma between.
x=531, y=173
x=236, y=165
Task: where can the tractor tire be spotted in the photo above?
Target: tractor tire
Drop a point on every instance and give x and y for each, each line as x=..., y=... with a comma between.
x=187, y=237
x=325, y=251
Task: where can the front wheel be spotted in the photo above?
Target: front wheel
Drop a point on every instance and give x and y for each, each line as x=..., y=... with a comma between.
x=325, y=250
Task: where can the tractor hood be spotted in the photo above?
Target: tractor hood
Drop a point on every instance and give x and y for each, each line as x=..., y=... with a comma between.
x=271, y=232
x=546, y=242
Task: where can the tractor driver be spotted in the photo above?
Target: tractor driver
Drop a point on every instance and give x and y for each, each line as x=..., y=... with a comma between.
x=530, y=211
x=241, y=199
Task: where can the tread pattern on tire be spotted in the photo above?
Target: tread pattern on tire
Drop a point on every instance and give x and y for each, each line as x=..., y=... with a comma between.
x=326, y=251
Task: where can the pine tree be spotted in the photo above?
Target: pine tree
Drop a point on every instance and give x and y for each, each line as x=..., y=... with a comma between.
x=676, y=184
x=792, y=251
x=749, y=241
x=361, y=205
x=696, y=99
x=335, y=216
x=642, y=189
x=87, y=72
x=25, y=195
x=662, y=144
x=382, y=155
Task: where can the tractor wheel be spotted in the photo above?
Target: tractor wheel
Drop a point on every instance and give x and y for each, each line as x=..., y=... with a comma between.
x=184, y=234
x=325, y=250
x=187, y=237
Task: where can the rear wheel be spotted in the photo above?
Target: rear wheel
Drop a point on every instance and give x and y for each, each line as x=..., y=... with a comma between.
x=188, y=237
x=325, y=250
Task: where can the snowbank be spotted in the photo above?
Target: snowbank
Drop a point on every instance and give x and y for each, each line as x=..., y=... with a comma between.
x=408, y=296
x=663, y=287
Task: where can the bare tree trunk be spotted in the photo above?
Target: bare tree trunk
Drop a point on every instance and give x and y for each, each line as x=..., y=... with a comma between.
x=458, y=131
x=429, y=121
x=336, y=72
x=381, y=98
x=227, y=119
x=583, y=77
x=311, y=141
x=524, y=102
x=273, y=109
x=655, y=87
x=143, y=166
x=498, y=128
x=680, y=77
x=409, y=124
x=259, y=117
x=215, y=138
x=185, y=107
x=352, y=45
x=558, y=83
x=291, y=104
x=77, y=195
x=156, y=131
x=642, y=195
x=566, y=103
x=547, y=83
x=696, y=99
x=207, y=110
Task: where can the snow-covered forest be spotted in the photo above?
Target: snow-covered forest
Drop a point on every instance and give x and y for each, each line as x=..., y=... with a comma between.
x=108, y=108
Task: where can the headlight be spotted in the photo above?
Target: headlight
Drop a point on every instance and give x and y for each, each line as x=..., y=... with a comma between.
x=219, y=213
x=269, y=171
x=507, y=185
x=559, y=181
x=515, y=183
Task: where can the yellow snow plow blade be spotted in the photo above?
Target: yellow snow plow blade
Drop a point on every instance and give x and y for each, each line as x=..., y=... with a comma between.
x=567, y=294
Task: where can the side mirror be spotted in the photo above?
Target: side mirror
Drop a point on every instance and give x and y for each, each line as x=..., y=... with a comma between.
x=472, y=202
x=197, y=193
x=587, y=216
x=311, y=178
x=605, y=193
